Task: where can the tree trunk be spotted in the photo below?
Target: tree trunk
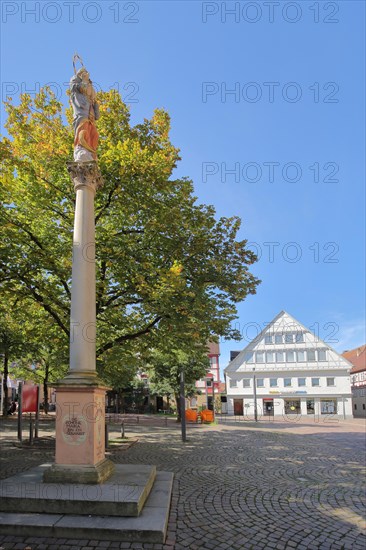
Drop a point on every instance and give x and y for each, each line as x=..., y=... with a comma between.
x=5, y=383
x=177, y=400
x=45, y=388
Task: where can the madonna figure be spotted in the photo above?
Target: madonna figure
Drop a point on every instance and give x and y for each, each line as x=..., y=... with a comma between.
x=86, y=112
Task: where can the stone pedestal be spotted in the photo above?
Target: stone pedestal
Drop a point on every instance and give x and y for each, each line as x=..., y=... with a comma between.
x=80, y=436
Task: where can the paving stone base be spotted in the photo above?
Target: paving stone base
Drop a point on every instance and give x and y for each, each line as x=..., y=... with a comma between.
x=123, y=494
x=149, y=527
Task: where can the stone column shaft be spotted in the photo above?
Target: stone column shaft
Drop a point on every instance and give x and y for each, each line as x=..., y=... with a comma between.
x=82, y=321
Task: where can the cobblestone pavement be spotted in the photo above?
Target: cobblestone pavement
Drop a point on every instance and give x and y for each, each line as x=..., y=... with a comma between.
x=241, y=487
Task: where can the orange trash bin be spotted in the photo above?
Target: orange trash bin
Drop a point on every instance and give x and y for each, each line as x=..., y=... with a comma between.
x=191, y=416
x=207, y=415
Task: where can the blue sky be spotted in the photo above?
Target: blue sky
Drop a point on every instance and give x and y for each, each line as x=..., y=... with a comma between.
x=291, y=132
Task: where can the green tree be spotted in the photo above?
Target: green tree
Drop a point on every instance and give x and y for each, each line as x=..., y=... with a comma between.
x=167, y=270
x=12, y=339
x=165, y=370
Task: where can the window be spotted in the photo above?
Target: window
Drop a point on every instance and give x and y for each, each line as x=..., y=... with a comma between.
x=322, y=355
x=279, y=356
x=209, y=383
x=273, y=382
x=311, y=355
x=292, y=406
x=310, y=406
x=249, y=357
x=355, y=407
x=233, y=383
x=278, y=338
x=290, y=356
x=315, y=382
x=363, y=406
x=301, y=382
x=299, y=337
x=289, y=338
x=246, y=382
x=287, y=382
x=270, y=356
x=213, y=362
x=260, y=356
x=268, y=339
x=301, y=356
x=260, y=382
x=328, y=406
x=330, y=382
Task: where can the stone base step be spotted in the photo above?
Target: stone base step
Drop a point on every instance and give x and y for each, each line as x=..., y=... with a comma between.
x=150, y=526
x=123, y=494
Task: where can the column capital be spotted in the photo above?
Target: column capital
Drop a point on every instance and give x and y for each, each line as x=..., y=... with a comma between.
x=85, y=174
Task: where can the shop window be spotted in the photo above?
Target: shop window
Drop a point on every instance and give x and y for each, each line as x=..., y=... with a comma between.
x=233, y=383
x=260, y=382
x=301, y=356
x=279, y=356
x=328, y=406
x=292, y=406
x=301, y=382
x=330, y=382
x=290, y=356
x=311, y=355
x=270, y=356
x=246, y=382
x=287, y=382
x=310, y=409
x=315, y=382
x=322, y=355
x=260, y=357
x=273, y=382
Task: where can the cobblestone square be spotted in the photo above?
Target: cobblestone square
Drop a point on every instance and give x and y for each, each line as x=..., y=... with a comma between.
x=240, y=486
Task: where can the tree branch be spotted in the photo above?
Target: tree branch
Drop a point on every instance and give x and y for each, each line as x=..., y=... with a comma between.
x=132, y=336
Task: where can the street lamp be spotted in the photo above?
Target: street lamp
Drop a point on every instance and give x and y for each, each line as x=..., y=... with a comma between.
x=255, y=396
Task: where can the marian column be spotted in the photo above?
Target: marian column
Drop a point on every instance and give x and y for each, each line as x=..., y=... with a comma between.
x=80, y=396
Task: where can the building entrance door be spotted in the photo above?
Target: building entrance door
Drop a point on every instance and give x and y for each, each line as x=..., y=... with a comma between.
x=268, y=407
x=238, y=407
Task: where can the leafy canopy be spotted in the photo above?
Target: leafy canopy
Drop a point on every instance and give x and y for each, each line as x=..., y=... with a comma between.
x=168, y=273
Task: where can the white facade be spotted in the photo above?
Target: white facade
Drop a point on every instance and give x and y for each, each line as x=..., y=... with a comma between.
x=295, y=373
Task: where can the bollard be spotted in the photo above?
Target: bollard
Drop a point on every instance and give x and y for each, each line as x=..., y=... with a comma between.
x=123, y=430
x=30, y=431
x=106, y=435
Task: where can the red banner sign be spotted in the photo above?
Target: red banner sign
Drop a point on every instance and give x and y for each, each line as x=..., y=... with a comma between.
x=30, y=399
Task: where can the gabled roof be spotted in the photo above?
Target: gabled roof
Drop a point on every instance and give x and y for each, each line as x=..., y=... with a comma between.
x=357, y=357
x=282, y=323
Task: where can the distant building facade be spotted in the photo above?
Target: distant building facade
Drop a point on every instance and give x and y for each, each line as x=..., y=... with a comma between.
x=357, y=357
x=287, y=370
x=211, y=389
